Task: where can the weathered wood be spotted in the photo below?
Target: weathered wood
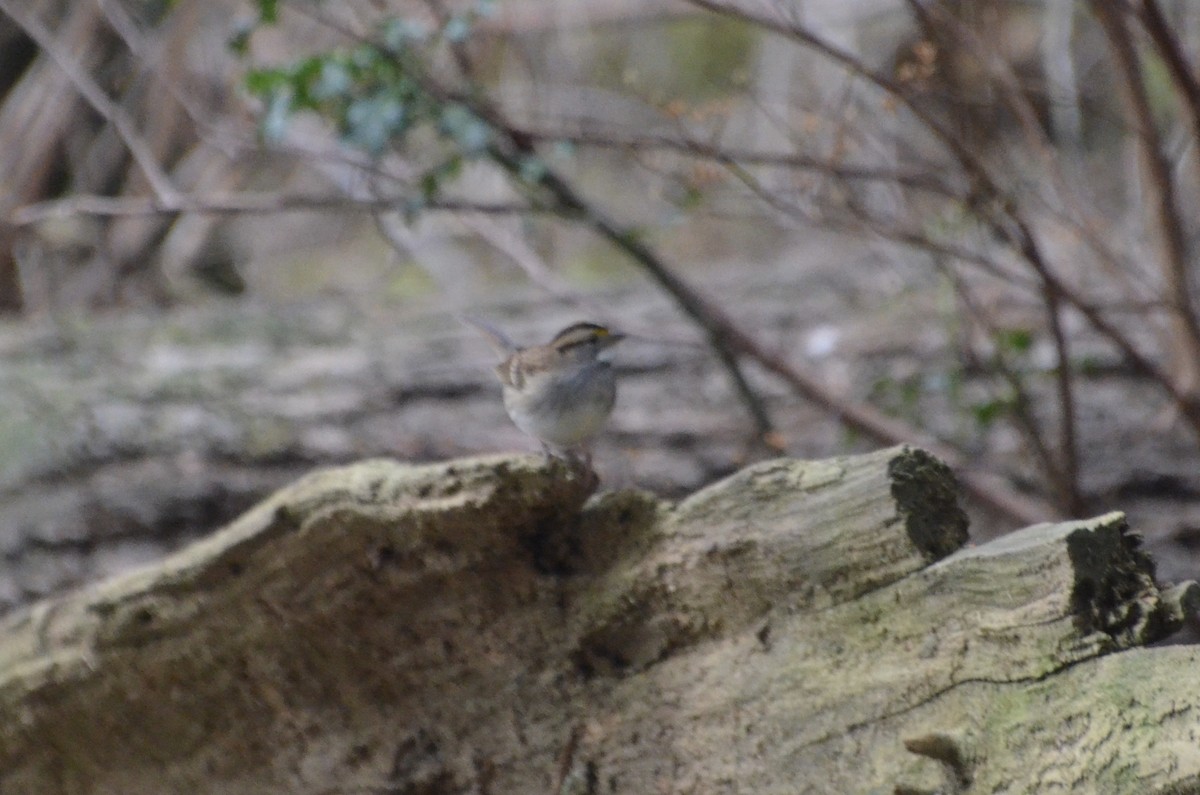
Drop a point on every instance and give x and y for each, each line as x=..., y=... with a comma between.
x=477, y=627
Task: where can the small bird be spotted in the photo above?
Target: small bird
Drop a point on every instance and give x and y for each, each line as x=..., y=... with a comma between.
x=560, y=393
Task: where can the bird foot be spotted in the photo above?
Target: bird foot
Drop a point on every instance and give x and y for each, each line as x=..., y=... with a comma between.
x=579, y=460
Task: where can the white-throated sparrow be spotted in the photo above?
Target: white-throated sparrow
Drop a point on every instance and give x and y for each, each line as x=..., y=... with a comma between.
x=560, y=393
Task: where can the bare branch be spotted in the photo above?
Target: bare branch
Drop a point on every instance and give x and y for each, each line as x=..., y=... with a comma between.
x=1166, y=210
x=1022, y=409
x=1075, y=215
x=1068, y=485
x=715, y=323
x=733, y=340
x=1182, y=75
x=996, y=206
x=1065, y=475
x=95, y=96
x=917, y=179
x=528, y=260
x=109, y=206
x=989, y=490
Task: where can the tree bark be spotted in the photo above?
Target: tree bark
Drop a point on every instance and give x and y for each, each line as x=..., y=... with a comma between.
x=484, y=626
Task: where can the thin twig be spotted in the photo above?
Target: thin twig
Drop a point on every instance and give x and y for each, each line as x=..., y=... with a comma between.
x=1069, y=495
x=566, y=759
x=1183, y=77
x=728, y=339
x=998, y=208
x=1165, y=206
x=510, y=152
x=916, y=179
x=241, y=203
x=988, y=490
x=1064, y=475
x=1022, y=408
x=528, y=260
x=95, y=96
x=919, y=239
x=1076, y=215
x=714, y=322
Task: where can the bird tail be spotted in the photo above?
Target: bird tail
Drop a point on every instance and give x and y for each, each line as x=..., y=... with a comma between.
x=499, y=341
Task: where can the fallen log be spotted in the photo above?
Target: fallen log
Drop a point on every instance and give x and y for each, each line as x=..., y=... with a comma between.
x=487, y=625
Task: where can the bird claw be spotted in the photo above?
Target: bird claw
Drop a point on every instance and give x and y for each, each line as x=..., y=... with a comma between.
x=578, y=459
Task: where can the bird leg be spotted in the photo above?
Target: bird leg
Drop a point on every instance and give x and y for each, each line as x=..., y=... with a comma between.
x=579, y=457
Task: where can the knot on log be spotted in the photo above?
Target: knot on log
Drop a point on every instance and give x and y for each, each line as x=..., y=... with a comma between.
x=1114, y=591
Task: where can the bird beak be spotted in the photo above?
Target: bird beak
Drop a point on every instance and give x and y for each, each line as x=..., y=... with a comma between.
x=611, y=339
x=606, y=343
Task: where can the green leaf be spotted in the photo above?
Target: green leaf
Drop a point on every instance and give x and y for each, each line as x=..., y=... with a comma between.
x=279, y=113
x=261, y=82
x=412, y=209
x=371, y=123
x=457, y=29
x=689, y=198
x=430, y=184
x=1016, y=340
x=268, y=11
x=563, y=150
x=366, y=58
x=302, y=78
x=634, y=235
x=333, y=80
x=988, y=411
x=238, y=42
x=399, y=34
x=910, y=391
x=451, y=168
x=472, y=134
x=533, y=169
x=1090, y=365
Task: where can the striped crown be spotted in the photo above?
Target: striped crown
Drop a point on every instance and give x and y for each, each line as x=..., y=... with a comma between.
x=578, y=334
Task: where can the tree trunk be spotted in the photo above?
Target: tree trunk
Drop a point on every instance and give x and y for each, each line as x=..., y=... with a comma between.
x=482, y=626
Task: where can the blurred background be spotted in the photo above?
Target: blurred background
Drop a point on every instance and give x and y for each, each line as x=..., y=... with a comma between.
x=236, y=240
